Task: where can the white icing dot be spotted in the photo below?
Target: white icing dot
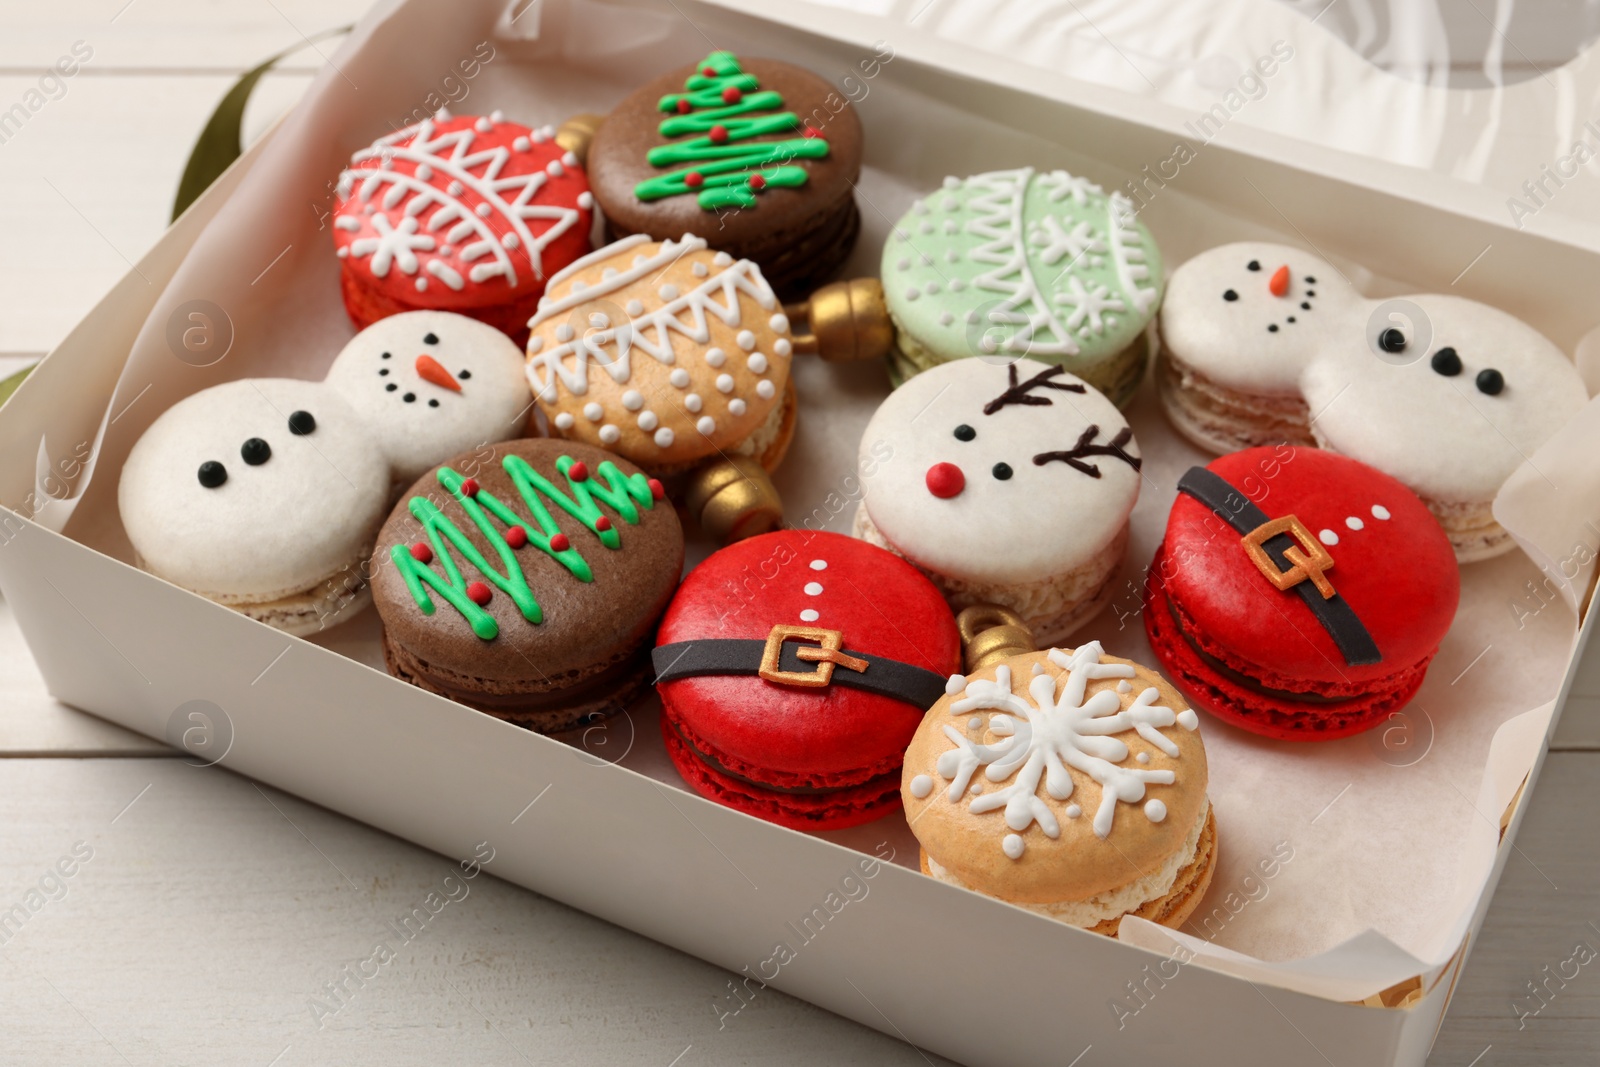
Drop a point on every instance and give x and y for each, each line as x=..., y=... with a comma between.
x=1188, y=719
x=635, y=307
x=1379, y=511
x=809, y=615
x=765, y=389
x=483, y=126
x=563, y=333
x=716, y=357
x=555, y=169
x=956, y=285
x=422, y=284
x=945, y=318
x=724, y=383
x=664, y=438
x=757, y=363
x=782, y=347
x=1072, y=811
x=721, y=259
x=565, y=420
x=779, y=323
x=342, y=253
x=921, y=786
x=679, y=377
x=1327, y=537
x=951, y=203
x=920, y=207
x=648, y=421
x=819, y=564
x=569, y=159
x=706, y=425
x=926, y=227
x=586, y=200
x=632, y=400
x=534, y=344
x=693, y=402
x=1143, y=757
x=813, y=589
x=975, y=788
x=952, y=256
x=454, y=189
x=593, y=411
x=1013, y=846
x=609, y=434
x=932, y=288
x=668, y=292
x=1155, y=810
x=736, y=407
x=700, y=269
x=424, y=171
x=904, y=264
x=521, y=144
x=745, y=340
x=1038, y=669
x=1354, y=523
x=975, y=723
x=913, y=292
x=497, y=115
x=1123, y=686
x=953, y=684
x=510, y=240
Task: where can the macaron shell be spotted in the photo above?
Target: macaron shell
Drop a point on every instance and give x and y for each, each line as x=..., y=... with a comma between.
x=687, y=351
x=1392, y=564
x=1078, y=863
x=880, y=605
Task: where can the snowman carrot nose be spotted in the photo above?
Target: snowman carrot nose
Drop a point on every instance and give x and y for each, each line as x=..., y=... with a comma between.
x=431, y=370
x=1280, y=281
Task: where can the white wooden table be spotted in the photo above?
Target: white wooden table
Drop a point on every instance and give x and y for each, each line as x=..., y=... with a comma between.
x=213, y=920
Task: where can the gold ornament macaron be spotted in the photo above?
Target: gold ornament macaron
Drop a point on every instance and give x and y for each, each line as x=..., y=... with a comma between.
x=1069, y=782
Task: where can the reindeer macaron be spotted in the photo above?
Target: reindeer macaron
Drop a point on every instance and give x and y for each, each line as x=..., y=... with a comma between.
x=1007, y=484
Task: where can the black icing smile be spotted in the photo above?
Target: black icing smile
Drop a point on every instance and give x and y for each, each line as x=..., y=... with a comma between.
x=1232, y=295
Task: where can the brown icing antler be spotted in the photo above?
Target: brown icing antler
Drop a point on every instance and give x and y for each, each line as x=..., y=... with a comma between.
x=1021, y=393
x=1074, y=457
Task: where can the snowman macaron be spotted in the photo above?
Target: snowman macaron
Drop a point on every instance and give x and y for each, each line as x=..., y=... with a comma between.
x=265, y=494
x=1007, y=484
x=1265, y=344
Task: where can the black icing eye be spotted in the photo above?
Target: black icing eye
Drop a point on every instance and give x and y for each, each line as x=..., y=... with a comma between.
x=1392, y=340
x=965, y=432
x=1446, y=362
x=1254, y=264
x=1002, y=471
x=212, y=474
x=1305, y=306
x=433, y=403
x=1311, y=281
x=1311, y=292
x=464, y=375
x=1230, y=295
x=1272, y=328
x=430, y=338
x=1491, y=381
x=391, y=387
x=386, y=355
x=409, y=398
x=301, y=423
x=383, y=372
x=255, y=451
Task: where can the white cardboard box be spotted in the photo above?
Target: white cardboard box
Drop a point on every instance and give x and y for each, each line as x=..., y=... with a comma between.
x=318, y=720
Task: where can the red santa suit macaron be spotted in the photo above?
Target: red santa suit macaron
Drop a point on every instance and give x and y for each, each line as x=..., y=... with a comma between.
x=1299, y=594
x=465, y=214
x=794, y=668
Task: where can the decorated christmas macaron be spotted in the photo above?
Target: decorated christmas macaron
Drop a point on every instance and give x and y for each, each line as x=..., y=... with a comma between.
x=1069, y=782
x=756, y=156
x=431, y=384
x=1448, y=395
x=459, y=213
x=525, y=581
x=1299, y=594
x=793, y=668
x=1024, y=263
x=1007, y=485
x=677, y=358
x=261, y=494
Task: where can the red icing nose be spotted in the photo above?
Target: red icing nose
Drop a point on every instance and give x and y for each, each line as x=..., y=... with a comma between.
x=431, y=370
x=945, y=480
x=1280, y=281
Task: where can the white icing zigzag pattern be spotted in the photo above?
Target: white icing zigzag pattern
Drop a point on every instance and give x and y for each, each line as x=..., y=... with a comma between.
x=448, y=158
x=1043, y=738
x=611, y=346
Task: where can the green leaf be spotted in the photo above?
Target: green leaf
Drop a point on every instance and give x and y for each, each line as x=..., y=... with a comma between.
x=9, y=386
x=221, y=142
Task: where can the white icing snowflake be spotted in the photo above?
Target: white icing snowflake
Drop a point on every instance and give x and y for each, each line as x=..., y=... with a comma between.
x=1062, y=185
x=393, y=245
x=1088, y=305
x=1041, y=739
x=1056, y=243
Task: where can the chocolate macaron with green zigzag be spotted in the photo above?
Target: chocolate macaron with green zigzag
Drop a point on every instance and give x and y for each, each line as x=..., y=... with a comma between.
x=757, y=156
x=525, y=579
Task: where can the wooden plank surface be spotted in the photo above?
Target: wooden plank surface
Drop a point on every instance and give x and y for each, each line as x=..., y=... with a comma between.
x=212, y=915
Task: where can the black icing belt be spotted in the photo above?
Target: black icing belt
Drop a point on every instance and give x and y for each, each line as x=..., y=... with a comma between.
x=1243, y=680
x=891, y=678
x=1334, y=613
x=889, y=781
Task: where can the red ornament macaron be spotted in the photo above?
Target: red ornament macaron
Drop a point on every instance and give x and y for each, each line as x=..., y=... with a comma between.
x=1299, y=594
x=794, y=668
x=459, y=213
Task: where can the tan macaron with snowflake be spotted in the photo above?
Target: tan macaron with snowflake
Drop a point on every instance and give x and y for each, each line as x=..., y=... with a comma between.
x=1069, y=782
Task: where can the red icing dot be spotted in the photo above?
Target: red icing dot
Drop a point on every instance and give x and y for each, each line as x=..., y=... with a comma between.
x=469, y=487
x=578, y=471
x=516, y=537
x=602, y=524
x=757, y=182
x=812, y=131
x=694, y=179
x=732, y=95
x=719, y=134
x=559, y=543
x=422, y=552
x=478, y=593
x=656, y=489
x=684, y=106
x=710, y=72
x=945, y=480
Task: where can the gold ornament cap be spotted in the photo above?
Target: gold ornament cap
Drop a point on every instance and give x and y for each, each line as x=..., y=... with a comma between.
x=843, y=322
x=991, y=634
x=734, y=498
x=576, y=133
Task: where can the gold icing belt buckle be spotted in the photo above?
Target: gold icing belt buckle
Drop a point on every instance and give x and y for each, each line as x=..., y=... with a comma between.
x=1305, y=566
x=825, y=653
